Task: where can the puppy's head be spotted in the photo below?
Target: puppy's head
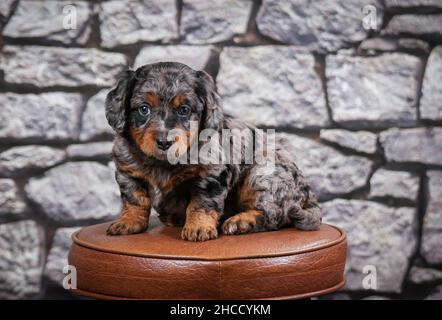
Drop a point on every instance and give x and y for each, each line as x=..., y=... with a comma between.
x=149, y=104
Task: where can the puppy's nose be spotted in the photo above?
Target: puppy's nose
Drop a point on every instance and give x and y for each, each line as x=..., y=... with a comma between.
x=163, y=143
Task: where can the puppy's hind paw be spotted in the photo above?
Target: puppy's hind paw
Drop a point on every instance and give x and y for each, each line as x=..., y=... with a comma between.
x=236, y=226
x=241, y=223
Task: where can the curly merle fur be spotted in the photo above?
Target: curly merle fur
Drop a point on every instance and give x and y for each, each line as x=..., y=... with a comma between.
x=204, y=198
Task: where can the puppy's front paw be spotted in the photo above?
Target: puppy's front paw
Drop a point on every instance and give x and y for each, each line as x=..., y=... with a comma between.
x=199, y=232
x=124, y=226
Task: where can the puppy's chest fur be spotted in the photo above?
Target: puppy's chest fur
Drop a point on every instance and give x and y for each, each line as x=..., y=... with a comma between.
x=166, y=185
x=171, y=192
x=170, y=188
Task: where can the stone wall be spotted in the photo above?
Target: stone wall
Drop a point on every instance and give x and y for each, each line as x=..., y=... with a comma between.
x=362, y=108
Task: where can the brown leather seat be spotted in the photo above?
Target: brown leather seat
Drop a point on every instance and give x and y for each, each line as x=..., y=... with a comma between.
x=282, y=264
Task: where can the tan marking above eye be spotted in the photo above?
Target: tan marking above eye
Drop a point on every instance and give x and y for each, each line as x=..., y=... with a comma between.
x=178, y=100
x=151, y=99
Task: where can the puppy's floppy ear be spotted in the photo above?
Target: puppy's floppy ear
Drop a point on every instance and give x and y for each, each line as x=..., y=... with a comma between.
x=213, y=112
x=117, y=101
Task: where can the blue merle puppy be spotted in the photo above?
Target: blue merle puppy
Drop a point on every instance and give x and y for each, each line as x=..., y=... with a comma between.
x=205, y=199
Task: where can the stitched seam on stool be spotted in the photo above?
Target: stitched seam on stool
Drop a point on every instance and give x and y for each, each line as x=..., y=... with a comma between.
x=220, y=290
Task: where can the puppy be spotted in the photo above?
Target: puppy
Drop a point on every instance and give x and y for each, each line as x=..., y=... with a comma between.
x=156, y=99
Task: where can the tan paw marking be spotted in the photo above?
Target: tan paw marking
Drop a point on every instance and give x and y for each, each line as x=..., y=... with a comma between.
x=200, y=226
x=124, y=226
x=195, y=232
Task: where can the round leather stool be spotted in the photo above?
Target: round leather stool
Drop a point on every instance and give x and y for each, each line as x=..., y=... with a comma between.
x=157, y=264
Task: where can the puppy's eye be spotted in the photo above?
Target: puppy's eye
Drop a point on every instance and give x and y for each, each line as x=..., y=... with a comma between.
x=144, y=110
x=184, y=110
